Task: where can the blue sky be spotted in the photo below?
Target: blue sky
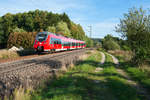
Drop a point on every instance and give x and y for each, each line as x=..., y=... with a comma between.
x=102, y=15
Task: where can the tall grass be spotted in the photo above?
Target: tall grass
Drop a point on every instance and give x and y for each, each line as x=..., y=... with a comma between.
x=5, y=54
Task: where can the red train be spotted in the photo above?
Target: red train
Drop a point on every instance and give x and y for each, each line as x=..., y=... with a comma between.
x=47, y=41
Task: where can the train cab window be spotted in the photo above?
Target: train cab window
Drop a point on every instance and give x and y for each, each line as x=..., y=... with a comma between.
x=41, y=37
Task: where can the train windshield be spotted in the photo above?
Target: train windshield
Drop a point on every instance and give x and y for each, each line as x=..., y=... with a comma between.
x=41, y=37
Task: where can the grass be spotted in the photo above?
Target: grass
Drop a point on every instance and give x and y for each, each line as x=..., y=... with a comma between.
x=20, y=94
x=5, y=54
x=83, y=83
x=139, y=75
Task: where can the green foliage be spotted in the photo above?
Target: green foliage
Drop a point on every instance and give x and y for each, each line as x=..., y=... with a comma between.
x=63, y=29
x=89, y=42
x=18, y=30
x=34, y=21
x=119, y=43
x=126, y=48
x=139, y=75
x=18, y=39
x=110, y=45
x=77, y=31
x=51, y=29
x=82, y=80
x=135, y=28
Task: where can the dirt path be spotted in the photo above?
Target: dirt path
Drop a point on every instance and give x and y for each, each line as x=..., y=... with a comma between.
x=115, y=60
x=103, y=58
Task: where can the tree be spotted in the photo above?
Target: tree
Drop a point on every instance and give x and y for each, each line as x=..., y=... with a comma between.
x=34, y=21
x=135, y=27
x=51, y=29
x=110, y=45
x=62, y=28
x=77, y=31
x=6, y=27
x=18, y=39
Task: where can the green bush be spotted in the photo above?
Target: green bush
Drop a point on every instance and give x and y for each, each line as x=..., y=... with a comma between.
x=111, y=45
x=89, y=42
x=125, y=47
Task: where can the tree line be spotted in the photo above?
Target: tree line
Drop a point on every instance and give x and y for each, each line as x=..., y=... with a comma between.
x=22, y=24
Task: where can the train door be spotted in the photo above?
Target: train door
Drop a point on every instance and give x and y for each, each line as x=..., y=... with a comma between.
x=52, y=43
x=55, y=44
x=59, y=43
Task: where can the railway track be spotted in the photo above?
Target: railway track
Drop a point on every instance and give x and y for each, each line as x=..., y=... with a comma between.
x=31, y=71
x=32, y=62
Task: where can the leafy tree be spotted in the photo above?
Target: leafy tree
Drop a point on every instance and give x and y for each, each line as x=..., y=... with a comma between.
x=34, y=21
x=110, y=45
x=77, y=31
x=62, y=28
x=21, y=39
x=64, y=17
x=6, y=27
x=51, y=29
x=135, y=27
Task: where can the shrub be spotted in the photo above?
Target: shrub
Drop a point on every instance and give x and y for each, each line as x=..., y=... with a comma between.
x=25, y=39
x=111, y=45
x=8, y=54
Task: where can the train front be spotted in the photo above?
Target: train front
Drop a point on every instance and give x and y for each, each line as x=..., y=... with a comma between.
x=40, y=41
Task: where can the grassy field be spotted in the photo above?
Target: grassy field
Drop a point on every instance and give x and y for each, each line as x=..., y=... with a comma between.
x=89, y=80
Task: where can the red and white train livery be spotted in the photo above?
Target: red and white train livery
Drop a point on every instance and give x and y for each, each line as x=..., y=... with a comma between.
x=47, y=41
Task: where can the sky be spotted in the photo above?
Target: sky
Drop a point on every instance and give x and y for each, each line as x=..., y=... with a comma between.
x=102, y=15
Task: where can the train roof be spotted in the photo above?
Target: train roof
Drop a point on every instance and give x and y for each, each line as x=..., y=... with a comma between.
x=61, y=37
